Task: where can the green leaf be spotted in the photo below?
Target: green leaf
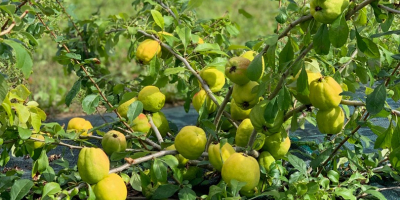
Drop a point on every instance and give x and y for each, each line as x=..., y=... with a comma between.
x=396, y=32
x=158, y=18
x=271, y=57
x=207, y=47
x=194, y=4
x=174, y=70
x=302, y=83
x=23, y=58
x=339, y=31
x=286, y=55
x=4, y=158
x=92, y=196
x=170, y=160
x=3, y=88
x=20, y=188
x=73, y=92
x=10, y=9
x=90, y=103
x=376, y=100
x=367, y=46
x=51, y=188
x=384, y=140
x=376, y=194
x=255, y=70
x=362, y=73
x=333, y=176
x=245, y=13
x=345, y=193
x=235, y=186
x=187, y=194
x=134, y=110
x=159, y=170
x=165, y=191
x=43, y=161
x=321, y=40
x=24, y=133
x=284, y=98
x=185, y=34
x=22, y=111
x=396, y=134
x=298, y=163
x=73, y=56
x=135, y=182
x=30, y=37
x=271, y=111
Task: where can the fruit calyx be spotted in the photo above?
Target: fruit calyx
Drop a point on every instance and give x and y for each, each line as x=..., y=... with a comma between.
x=318, y=8
x=232, y=69
x=321, y=78
x=245, y=104
x=115, y=135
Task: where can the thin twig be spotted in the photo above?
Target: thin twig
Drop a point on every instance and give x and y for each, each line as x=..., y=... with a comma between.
x=168, y=10
x=155, y=129
x=292, y=112
x=8, y=30
x=389, y=9
x=147, y=140
x=16, y=10
x=344, y=66
x=58, y=143
x=252, y=139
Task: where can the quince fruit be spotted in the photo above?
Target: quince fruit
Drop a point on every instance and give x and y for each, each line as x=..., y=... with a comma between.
x=80, y=125
x=217, y=155
x=93, y=165
x=200, y=41
x=250, y=55
x=276, y=145
x=304, y=99
x=113, y=141
x=147, y=50
x=325, y=93
x=181, y=160
x=243, y=96
x=141, y=124
x=326, y=11
x=244, y=132
x=330, y=121
x=243, y=168
x=191, y=142
x=124, y=107
x=214, y=78
x=37, y=144
x=238, y=113
x=265, y=160
x=259, y=122
x=151, y=97
x=112, y=187
x=235, y=70
x=198, y=100
x=161, y=122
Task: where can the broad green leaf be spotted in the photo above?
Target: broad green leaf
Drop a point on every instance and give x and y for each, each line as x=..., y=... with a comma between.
x=134, y=110
x=271, y=57
x=362, y=74
x=232, y=30
x=22, y=56
x=345, y=193
x=255, y=70
x=376, y=100
x=30, y=37
x=51, y=188
x=271, y=39
x=339, y=31
x=159, y=170
x=24, y=133
x=155, y=66
x=207, y=47
x=174, y=70
x=376, y=194
x=158, y=18
x=43, y=161
x=245, y=13
x=20, y=93
x=367, y=46
x=298, y=164
x=170, y=160
x=4, y=158
x=235, y=186
x=271, y=111
x=90, y=103
x=20, y=189
x=286, y=55
x=333, y=176
x=135, y=182
x=73, y=56
x=384, y=140
x=3, y=88
x=22, y=111
x=91, y=196
x=184, y=34
x=396, y=32
x=73, y=92
x=165, y=191
x=284, y=98
x=35, y=120
x=321, y=40
x=187, y=194
x=302, y=83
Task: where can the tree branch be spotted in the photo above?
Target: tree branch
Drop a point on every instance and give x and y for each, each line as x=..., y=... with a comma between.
x=168, y=10
x=155, y=129
x=389, y=9
x=348, y=62
x=8, y=30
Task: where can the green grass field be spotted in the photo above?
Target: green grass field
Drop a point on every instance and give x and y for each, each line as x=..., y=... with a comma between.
x=49, y=82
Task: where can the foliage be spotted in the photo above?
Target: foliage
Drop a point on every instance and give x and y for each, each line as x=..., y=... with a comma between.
x=359, y=49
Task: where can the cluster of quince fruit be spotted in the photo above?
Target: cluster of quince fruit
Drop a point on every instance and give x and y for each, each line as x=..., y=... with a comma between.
x=327, y=11
x=93, y=168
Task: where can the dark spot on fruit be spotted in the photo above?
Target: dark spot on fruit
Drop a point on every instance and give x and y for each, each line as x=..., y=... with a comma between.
x=115, y=135
x=245, y=104
x=232, y=69
x=318, y=8
x=265, y=128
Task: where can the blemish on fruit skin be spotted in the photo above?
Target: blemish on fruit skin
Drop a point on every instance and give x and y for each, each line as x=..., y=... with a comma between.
x=232, y=69
x=318, y=8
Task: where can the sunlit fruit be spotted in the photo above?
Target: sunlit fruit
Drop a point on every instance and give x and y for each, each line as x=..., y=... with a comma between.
x=147, y=50
x=235, y=70
x=243, y=95
x=214, y=78
x=217, y=155
x=151, y=97
x=124, y=107
x=277, y=145
x=112, y=187
x=325, y=93
x=80, y=125
x=190, y=142
x=198, y=100
x=141, y=124
x=113, y=141
x=330, y=121
x=93, y=164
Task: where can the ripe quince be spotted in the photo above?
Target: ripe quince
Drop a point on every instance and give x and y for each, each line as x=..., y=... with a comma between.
x=147, y=50
x=93, y=165
x=214, y=78
x=141, y=124
x=330, y=121
x=191, y=142
x=244, y=132
x=235, y=70
x=151, y=97
x=276, y=145
x=181, y=160
x=250, y=55
x=113, y=141
x=265, y=160
x=238, y=113
x=124, y=107
x=304, y=99
x=198, y=100
x=324, y=93
x=80, y=125
x=244, y=98
x=243, y=168
x=217, y=155
x=112, y=187
x=161, y=122
x=259, y=122
x=326, y=11
x=37, y=144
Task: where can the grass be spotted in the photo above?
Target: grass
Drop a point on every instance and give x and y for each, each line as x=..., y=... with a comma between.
x=49, y=82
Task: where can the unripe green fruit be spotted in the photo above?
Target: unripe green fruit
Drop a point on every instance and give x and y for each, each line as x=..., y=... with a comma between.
x=214, y=78
x=235, y=70
x=330, y=121
x=325, y=93
x=238, y=113
x=244, y=98
x=265, y=160
x=217, y=155
x=161, y=122
x=190, y=142
x=198, y=100
x=113, y=141
x=259, y=122
x=276, y=145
